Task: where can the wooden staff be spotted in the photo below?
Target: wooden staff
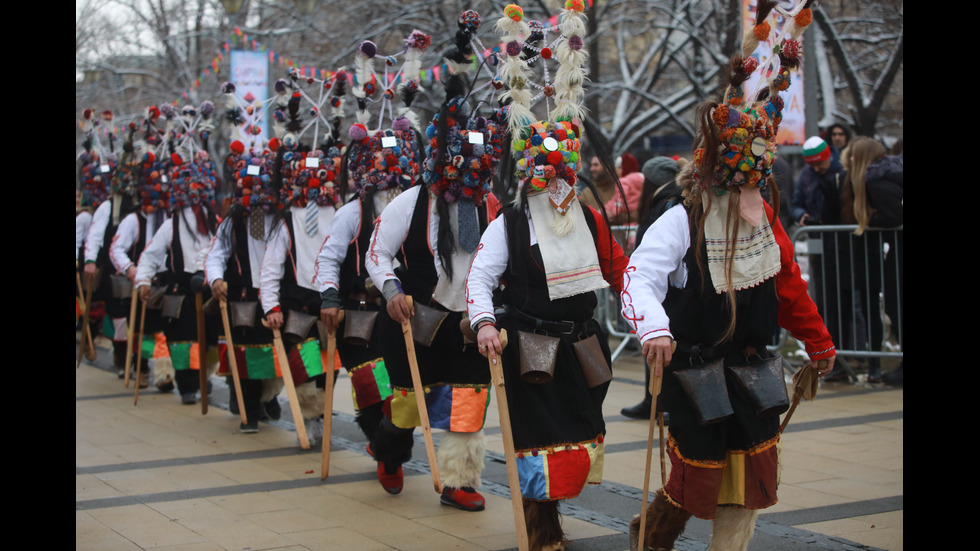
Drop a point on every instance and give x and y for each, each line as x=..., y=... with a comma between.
x=233, y=361
x=413, y=362
x=507, y=435
x=656, y=382
x=287, y=379
x=139, y=339
x=202, y=351
x=87, y=346
x=328, y=400
x=130, y=333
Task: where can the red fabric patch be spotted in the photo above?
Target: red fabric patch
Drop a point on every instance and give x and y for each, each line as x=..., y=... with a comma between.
x=567, y=472
x=693, y=488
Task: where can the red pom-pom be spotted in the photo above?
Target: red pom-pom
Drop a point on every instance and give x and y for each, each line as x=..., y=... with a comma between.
x=274, y=144
x=546, y=53
x=761, y=31
x=314, y=183
x=175, y=158
x=237, y=147
x=554, y=158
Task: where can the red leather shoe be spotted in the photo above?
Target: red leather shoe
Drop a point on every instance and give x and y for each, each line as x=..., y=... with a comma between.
x=464, y=498
x=392, y=483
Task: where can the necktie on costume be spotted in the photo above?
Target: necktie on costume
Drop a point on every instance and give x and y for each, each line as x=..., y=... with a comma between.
x=312, y=217
x=256, y=224
x=469, y=228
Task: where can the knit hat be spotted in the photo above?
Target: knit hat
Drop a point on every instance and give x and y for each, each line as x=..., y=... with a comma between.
x=815, y=150
x=660, y=170
x=627, y=164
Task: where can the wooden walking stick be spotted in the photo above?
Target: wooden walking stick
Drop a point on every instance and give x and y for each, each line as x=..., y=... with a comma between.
x=413, y=362
x=87, y=346
x=328, y=400
x=130, y=333
x=287, y=379
x=139, y=339
x=507, y=435
x=202, y=351
x=233, y=361
x=656, y=382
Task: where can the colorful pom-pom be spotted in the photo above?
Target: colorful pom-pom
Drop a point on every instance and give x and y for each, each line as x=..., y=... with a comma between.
x=358, y=132
x=368, y=49
x=514, y=12
x=791, y=48
x=575, y=5
x=804, y=18
x=469, y=20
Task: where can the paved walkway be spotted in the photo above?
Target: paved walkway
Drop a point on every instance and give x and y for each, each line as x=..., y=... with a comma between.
x=160, y=476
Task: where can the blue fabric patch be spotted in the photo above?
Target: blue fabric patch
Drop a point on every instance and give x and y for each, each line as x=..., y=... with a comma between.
x=534, y=483
x=439, y=403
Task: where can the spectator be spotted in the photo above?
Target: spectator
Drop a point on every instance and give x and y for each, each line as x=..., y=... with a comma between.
x=623, y=209
x=816, y=198
x=839, y=135
x=875, y=181
x=660, y=192
x=605, y=187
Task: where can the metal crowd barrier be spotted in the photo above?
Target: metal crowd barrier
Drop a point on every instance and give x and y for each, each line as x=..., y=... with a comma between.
x=857, y=283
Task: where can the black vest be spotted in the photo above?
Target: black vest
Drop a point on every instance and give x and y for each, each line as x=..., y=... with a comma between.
x=699, y=315
x=525, y=284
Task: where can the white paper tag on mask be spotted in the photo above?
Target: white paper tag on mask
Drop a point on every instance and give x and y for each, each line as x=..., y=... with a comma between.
x=163, y=178
x=104, y=169
x=389, y=141
x=561, y=196
x=312, y=162
x=252, y=170
x=476, y=138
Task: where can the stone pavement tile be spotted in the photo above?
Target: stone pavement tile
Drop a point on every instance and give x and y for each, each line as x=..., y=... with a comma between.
x=245, y=504
x=884, y=531
x=852, y=490
x=286, y=521
x=794, y=497
x=146, y=527
x=496, y=518
x=93, y=535
x=338, y=539
x=428, y=540
x=321, y=501
x=232, y=530
x=249, y=471
x=88, y=487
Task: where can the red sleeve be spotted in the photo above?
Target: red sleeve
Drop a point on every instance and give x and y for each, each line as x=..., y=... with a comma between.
x=609, y=249
x=493, y=207
x=797, y=312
